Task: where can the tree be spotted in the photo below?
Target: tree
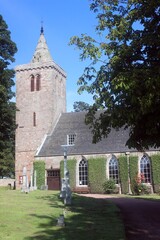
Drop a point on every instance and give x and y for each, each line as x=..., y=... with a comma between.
x=124, y=73
x=7, y=108
x=80, y=106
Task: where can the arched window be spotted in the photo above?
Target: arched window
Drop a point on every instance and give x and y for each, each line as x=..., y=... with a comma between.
x=38, y=82
x=83, y=172
x=32, y=83
x=34, y=119
x=113, y=169
x=145, y=169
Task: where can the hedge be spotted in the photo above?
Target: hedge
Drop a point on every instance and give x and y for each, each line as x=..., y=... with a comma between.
x=123, y=173
x=133, y=169
x=96, y=174
x=155, y=166
x=71, y=166
x=39, y=166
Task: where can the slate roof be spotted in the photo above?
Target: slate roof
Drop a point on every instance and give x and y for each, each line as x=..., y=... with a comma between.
x=73, y=123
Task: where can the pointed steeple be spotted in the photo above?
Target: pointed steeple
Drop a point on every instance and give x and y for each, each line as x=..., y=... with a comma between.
x=41, y=53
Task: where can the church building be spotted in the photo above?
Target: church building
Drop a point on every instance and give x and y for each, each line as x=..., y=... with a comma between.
x=44, y=126
x=40, y=100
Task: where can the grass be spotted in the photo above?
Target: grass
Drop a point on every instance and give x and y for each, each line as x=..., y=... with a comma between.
x=154, y=197
x=34, y=216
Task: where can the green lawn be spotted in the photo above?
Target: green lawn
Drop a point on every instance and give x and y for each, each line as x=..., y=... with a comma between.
x=154, y=197
x=34, y=216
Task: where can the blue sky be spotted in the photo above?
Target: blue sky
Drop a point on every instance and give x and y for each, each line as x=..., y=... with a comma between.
x=62, y=19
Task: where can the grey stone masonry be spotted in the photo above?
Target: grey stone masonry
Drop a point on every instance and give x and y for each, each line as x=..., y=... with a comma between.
x=41, y=53
x=40, y=100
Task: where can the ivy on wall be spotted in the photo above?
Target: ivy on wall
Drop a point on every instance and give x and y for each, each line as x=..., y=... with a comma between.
x=71, y=166
x=155, y=165
x=39, y=166
x=123, y=173
x=133, y=169
x=72, y=171
x=96, y=174
x=62, y=169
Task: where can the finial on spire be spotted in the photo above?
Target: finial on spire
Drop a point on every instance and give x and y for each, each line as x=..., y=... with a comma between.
x=42, y=30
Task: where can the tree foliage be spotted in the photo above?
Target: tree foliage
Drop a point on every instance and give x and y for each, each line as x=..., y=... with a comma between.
x=7, y=108
x=124, y=73
x=80, y=106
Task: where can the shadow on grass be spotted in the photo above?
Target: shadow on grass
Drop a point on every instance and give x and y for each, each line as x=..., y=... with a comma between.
x=86, y=218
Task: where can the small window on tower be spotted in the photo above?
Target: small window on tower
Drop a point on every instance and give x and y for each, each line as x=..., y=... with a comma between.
x=34, y=119
x=71, y=139
x=32, y=83
x=38, y=82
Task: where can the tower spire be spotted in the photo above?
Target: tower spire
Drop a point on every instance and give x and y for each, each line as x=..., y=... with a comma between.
x=41, y=53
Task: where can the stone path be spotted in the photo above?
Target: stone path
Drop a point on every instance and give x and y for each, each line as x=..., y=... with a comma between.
x=141, y=217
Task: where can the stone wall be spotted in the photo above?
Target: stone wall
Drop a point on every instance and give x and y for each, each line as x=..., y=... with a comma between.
x=54, y=161
x=5, y=182
x=47, y=104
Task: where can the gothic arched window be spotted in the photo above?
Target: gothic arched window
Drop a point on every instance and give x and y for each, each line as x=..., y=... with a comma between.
x=38, y=82
x=32, y=83
x=83, y=172
x=113, y=169
x=145, y=169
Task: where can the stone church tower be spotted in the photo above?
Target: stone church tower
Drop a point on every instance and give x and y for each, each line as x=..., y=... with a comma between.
x=40, y=100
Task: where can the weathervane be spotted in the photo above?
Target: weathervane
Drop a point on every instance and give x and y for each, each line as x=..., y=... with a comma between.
x=42, y=30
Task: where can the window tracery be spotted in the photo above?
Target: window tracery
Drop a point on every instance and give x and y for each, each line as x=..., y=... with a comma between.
x=83, y=172
x=113, y=169
x=145, y=169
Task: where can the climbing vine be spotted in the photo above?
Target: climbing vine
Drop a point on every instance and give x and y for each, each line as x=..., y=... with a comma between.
x=96, y=174
x=155, y=164
x=39, y=166
x=133, y=167
x=123, y=173
x=71, y=166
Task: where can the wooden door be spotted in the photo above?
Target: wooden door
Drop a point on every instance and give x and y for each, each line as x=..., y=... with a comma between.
x=53, y=179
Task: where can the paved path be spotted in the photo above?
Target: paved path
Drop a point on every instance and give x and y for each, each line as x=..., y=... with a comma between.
x=141, y=217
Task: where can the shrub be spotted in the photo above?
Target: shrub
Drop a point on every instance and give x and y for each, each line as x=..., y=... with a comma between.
x=138, y=185
x=140, y=189
x=109, y=186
